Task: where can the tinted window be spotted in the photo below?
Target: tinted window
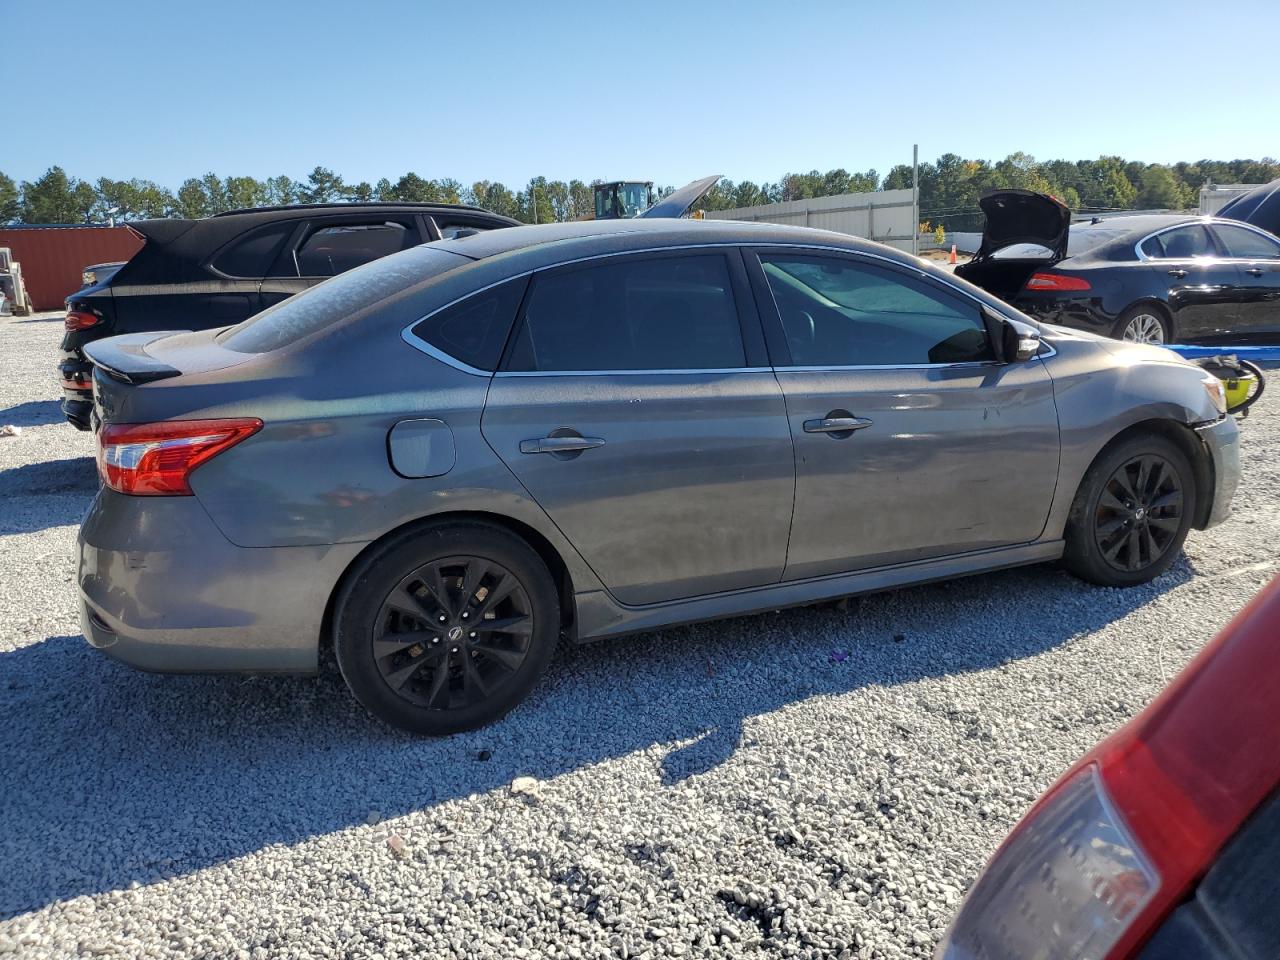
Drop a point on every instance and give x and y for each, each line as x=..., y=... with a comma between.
x=475, y=330
x=252, y=254
x=672, y=313
x=1180, y=244
x=333, y=250
x=334, y=300
x=837, y=312
x=1239, y=242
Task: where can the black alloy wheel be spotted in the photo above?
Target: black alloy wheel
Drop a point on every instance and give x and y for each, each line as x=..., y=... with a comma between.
x=1139, y=514
x=452, y=631
x=1131, y=513
x=445, y=627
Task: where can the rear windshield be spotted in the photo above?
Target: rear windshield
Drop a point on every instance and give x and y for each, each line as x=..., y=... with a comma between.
x=1080, y=240
x=312, y=310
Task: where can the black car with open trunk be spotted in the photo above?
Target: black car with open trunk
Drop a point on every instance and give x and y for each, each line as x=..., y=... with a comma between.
x=1160, y=278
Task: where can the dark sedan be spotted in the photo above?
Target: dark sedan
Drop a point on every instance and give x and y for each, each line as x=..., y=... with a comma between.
x=1151, y=279
x=201, y=274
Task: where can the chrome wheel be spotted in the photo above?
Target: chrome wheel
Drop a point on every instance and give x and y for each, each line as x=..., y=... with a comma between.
x=1139, y=513
x=1144, y=328
x=452, y=632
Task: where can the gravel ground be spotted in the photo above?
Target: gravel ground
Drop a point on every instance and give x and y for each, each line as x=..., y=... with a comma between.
x=812, y=783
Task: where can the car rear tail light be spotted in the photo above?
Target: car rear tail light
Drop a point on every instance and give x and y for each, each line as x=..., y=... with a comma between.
x=157, y=459
x=81, y=320
x=1066, y=884
x=1056, y=282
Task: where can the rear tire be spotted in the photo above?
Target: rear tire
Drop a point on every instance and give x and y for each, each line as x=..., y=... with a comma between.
x=1131, y=514
x=446, y=628
x=1144, y=323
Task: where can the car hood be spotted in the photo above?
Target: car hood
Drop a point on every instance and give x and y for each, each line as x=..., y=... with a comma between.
x=677, y=204
x=1259, y=207
x=1022, y=216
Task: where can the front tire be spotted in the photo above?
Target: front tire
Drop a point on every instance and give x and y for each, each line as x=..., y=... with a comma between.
x=445, y=629
x=1143, y=323
x=1131, y=514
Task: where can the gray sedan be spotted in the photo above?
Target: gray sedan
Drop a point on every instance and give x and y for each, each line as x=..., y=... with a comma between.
x=446, y=460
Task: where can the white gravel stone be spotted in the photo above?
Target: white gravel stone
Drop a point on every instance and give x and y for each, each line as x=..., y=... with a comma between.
x=781, y=804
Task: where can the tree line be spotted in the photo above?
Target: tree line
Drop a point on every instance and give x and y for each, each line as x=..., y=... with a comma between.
x=949, y=190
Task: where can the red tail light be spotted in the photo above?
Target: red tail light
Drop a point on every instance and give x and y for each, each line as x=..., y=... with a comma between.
x=1056, y=282
x=157, y=459
x=1123, y=837
x=81, y=320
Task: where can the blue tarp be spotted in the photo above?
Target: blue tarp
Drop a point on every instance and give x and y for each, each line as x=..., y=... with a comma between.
x=1268, y=354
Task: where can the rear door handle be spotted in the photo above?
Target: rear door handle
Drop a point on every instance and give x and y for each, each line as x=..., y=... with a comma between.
x=1254, y=271
x=836, y=425
x=560, y=444
x=1177, y=273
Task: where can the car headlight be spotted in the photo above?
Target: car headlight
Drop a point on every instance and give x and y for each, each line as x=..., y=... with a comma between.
x=1216, y=391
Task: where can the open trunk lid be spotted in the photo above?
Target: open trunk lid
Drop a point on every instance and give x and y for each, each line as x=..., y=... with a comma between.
x=1022, y=216
x=1016, y=218
x=675, y=205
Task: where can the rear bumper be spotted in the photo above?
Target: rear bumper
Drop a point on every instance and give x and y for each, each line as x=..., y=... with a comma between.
x=1222, y=439
x=162, y=589
x=1082, y=313
x=75, y=376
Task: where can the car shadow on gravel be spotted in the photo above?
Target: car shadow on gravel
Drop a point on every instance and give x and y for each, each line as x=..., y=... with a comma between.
x=115, y=776
x=33, y=413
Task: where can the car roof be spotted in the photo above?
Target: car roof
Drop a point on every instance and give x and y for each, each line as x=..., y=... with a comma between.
x=305, y=209
x=545, y=243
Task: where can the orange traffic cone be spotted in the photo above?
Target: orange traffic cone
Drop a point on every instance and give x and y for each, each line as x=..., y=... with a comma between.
x=953, y=254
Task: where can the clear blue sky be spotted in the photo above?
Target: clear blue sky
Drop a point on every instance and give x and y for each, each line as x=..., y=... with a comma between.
x=667, y=91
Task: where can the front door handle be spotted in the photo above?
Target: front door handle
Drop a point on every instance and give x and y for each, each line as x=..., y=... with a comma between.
x=1179, y=274
x=560, y=444
x=844, y=425
x=1254, y=271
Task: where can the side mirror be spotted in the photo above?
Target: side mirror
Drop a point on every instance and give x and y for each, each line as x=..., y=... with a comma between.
x=1013, y=340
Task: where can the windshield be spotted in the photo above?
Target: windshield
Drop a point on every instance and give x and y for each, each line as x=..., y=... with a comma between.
x=305, y=313
x=635, y=199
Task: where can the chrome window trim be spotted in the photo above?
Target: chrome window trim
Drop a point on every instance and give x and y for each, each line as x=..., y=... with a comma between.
x=415, y=341
x=409, y=337
x=1207, y=223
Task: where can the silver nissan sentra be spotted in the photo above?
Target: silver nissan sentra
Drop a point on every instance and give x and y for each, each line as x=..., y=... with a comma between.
x=445, y=460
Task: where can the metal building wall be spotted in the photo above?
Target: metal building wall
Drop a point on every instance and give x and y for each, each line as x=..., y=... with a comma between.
x=884, y=215
x=53, y=258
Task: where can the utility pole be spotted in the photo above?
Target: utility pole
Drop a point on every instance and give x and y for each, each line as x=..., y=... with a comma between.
x=915, y=199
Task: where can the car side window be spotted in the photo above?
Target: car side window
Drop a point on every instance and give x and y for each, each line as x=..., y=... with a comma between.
x=1246, y=244
x=1182, y=243
x=252, y=254
x=837, y=312
x=475, y=330
x=330, y=251
x=663, y=313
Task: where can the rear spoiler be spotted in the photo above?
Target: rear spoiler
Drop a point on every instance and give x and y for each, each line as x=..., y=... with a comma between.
x=124, y=358
x=161, y=231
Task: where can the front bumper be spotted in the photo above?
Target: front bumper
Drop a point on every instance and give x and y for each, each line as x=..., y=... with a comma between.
x=163, y=590
x=1222, y=439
